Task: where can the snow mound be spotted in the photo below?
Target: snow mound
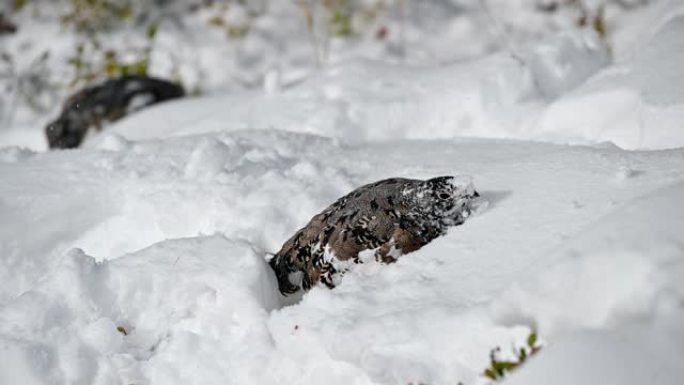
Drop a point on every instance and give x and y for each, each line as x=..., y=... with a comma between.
x=628, y=355
x=565, y=61
x=650, y=262
x=205, y=310
x=540, y=94
x=368, y=101
x=635, y=104
x=168, y=301
x=612, y=305
x=113, y=202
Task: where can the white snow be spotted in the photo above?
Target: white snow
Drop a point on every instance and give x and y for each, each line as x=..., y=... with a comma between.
x=636, y=104
x=141, y=258
x=204, y=310
x=543, y=94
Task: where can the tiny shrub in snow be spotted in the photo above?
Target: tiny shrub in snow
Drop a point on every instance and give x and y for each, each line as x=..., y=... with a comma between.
x=91, y=63
x=340, y=19
x=94, y=15
x=18, y=4
x=234, y=18
x=498, y=368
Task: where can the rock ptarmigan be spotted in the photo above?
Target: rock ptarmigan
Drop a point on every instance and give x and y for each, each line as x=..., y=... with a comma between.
x=391, y=217
x=91, y=107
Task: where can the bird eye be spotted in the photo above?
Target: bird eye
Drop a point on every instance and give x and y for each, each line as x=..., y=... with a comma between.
x=444, y=196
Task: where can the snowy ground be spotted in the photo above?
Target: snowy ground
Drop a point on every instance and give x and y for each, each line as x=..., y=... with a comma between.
x=160, y=227
x=575, y=238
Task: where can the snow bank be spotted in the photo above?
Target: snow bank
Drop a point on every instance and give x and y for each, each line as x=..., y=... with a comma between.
x=635, y=104
x=369, y=100
x=126, y=196
x=642, y=240
x=612, y=307
x=539, y=93
x=216, y=47
x=355, y=102
x=204, y=309
x=176, y=301
x=627, y=355
x=565, y=61
x=534, y=89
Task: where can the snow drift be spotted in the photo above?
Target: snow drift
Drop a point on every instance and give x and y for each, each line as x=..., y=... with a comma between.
x=201, y=309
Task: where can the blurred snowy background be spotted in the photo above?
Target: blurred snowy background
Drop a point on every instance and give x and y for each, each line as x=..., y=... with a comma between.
x=494, y=68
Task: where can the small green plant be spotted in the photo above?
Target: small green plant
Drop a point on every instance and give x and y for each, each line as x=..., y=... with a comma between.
x=113, y=67
x=83, y=71
x=17, y=5
x=340, y=19
x=596, y=21
x=499, y=368
x=233, y=31
x=327, y=19
x=591, y=17
x=233, y=28
x=139, y=66
x=97, y=15
x=91, y=63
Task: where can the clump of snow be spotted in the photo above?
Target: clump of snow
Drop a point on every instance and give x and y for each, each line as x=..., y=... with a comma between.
x=208, y=159
x=205, y=292
x=635, y=104
x=649, y=263
x=273, y=82
x=463, y=183
x=565, y=61
x=112, y=142
x=14, y=154
x=625, y=172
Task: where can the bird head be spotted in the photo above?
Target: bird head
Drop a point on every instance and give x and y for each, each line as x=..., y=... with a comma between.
x=448, y=199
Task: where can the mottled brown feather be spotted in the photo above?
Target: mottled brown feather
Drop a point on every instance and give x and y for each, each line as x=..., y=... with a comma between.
x=392, y=216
